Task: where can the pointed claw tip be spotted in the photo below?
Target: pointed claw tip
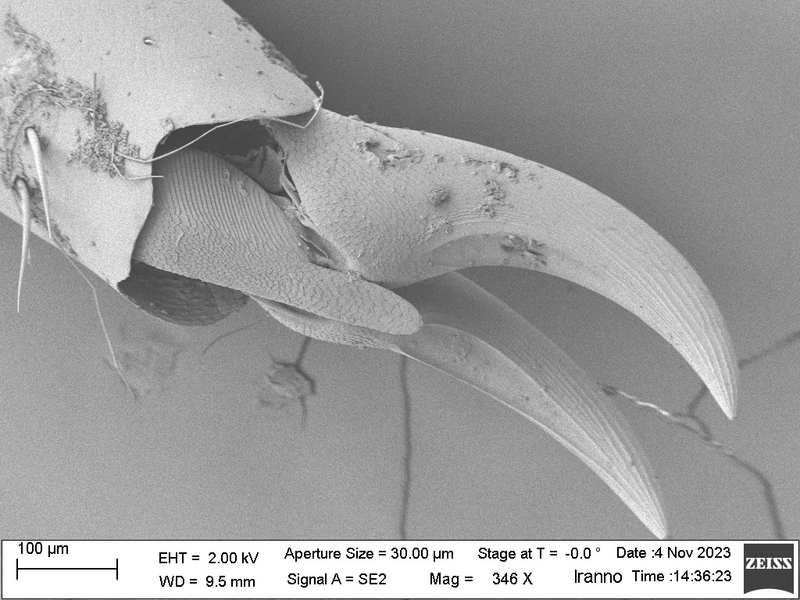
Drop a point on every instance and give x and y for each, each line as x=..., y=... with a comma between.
x=733, y=399
x=727, y=396
x=727, y=403
x=730, y=411
x=651, y=515
x=661, y=533
x=659, y=528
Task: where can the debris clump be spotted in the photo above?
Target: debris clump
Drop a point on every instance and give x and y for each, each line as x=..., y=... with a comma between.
x=285, y=383
x=439, y=196
x=498, y=166
x=106, y=148
x=398, y=156
x=493, y=196
x=514, y=244
x=29, y=85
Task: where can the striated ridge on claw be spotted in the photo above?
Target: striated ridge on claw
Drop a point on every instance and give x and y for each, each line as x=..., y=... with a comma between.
x=404, y=206
x=473, y=336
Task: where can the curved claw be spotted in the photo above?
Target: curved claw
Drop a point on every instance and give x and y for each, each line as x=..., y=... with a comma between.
x=404, y=206
x=473, y=336
x=211, y=222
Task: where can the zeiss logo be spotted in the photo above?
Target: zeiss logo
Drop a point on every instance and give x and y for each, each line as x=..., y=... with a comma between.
x=769, y=566
x=753, y=562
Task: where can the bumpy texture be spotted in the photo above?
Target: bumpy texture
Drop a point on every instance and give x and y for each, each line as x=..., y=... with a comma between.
x=210, y=221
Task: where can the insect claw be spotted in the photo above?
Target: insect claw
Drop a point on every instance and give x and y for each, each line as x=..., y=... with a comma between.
x=25, y=209
x=36, y=148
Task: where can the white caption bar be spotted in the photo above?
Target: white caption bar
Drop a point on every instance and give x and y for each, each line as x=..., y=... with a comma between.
x=407, y=569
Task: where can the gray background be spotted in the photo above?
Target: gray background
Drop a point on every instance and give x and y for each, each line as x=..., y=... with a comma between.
x=686, y=113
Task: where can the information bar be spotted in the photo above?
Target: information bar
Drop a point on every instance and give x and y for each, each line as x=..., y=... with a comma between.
x=398, y=569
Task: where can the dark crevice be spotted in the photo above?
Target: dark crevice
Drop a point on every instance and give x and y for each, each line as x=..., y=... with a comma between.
x=236, y=139
x=175, y=298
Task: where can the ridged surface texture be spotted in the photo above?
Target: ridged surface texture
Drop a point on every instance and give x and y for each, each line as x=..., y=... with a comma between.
x=211, y=222
x=475, y=337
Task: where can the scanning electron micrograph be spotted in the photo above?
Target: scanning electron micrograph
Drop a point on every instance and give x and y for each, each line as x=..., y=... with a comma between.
x=279, y=270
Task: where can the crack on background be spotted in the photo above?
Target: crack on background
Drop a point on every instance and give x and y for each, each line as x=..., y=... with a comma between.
x=689, y=421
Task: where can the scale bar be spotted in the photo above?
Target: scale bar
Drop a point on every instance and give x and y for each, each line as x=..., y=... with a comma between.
x=115, y=568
